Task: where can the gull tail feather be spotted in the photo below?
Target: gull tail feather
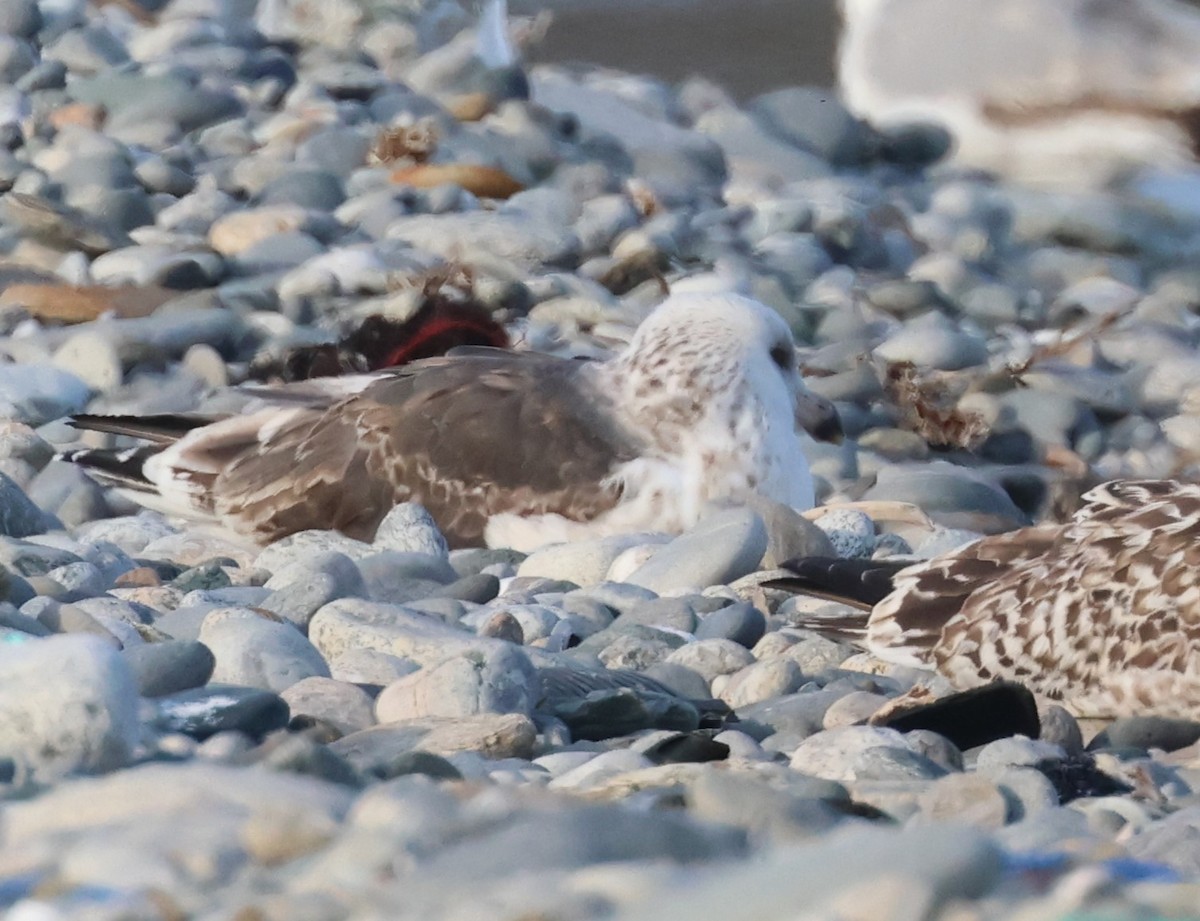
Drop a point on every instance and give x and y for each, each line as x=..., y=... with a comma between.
x=121, y=469
x=162, y=429
x=859, y=584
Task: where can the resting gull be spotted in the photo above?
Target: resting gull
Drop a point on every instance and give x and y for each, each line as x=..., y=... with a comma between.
x=1101, y=613
x=506, y=448
x=1074, y=91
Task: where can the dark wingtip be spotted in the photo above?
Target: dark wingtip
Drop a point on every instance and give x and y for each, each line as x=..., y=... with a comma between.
x=864, y=583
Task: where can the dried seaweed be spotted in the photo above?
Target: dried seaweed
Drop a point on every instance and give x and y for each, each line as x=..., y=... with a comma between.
x=928, y=407
x=416, y=143
x=1063, y=344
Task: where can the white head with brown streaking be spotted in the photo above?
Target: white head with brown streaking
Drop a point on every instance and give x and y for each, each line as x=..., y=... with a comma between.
x=515, y=449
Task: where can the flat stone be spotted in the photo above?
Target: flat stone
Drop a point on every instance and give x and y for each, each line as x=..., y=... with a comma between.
x=511, y=239
x=306, y=544
x=813, y=119
x=934, y=346
x=838, y=754
x=1147, y=732
x=506, y=735
x=370, y=667
x=956, y=862
x=232, y=234
x=255, y=652
x=608, y=714
x=584, y=562
x=967, y=798
x=354, y=624
x=500, y=679
x=949, y=497
x=343, y=705
x=162, y=798
x=397, y=577
x=720, y=549
x=794, y=811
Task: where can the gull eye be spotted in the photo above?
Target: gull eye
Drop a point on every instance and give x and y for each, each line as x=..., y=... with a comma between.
x=784, y=357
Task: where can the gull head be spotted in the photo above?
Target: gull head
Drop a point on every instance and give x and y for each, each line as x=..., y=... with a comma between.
x=696, y=351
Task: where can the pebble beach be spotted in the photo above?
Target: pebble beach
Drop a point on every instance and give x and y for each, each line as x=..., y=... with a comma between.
x=632, y=727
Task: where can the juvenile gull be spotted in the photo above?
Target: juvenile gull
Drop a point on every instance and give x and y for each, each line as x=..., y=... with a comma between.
x=511, y=449
x=1074, y=91
x=1101, y=613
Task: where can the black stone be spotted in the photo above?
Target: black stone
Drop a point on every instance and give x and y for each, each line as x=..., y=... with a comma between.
x=1078, y=776
x=426, y=763
x=214, y=708
x=687, y=747
x=975, y=717
x=479, y=589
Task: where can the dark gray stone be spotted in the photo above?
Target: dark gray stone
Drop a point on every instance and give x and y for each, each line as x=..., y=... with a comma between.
x=169, y=667
x=608, y=714
x=1147, y=732
x=741, y=622
x=215, y=708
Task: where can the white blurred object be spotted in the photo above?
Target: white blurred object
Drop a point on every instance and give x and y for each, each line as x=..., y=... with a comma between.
x=1047, y=91
x=492, y=43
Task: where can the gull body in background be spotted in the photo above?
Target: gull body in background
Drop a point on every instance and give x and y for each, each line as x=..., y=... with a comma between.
x=1074, y=92
x=507, y=448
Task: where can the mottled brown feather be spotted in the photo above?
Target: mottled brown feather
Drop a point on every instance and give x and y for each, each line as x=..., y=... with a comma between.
x=1102, y=613
x=429, y=433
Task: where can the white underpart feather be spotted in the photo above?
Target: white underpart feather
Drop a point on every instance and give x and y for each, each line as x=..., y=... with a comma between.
x=742, y=441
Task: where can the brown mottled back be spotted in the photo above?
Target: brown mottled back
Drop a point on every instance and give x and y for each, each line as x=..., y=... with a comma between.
x=1098, y=612
x=442, y=432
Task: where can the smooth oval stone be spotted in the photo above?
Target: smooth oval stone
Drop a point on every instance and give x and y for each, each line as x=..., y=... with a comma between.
x=949, y=497
x=215, y=708
x=340, y=704
x=253, y=651
x=479, y=588
x=169, y=667
x=496, y=735
x=497, y=679
x=720, y=549
x=741, y=622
